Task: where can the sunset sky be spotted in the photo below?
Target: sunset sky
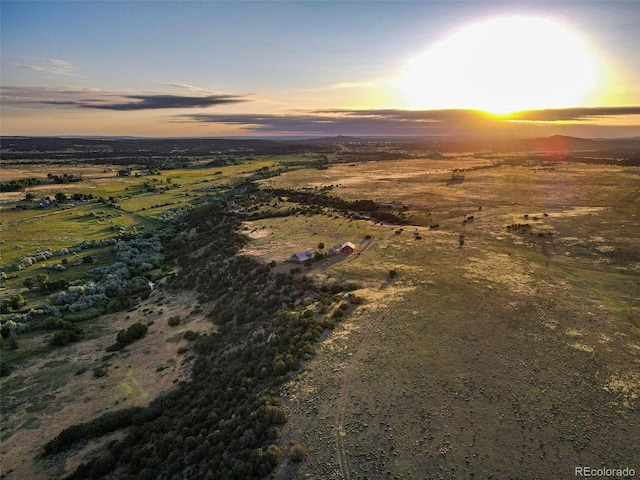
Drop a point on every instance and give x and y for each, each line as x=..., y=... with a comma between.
x=432, y=69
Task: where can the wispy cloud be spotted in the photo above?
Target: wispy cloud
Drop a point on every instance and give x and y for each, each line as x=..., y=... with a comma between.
x=19, y=95
x=30, y=67
x=182, y=86
x=51, y=66
x=54, y=61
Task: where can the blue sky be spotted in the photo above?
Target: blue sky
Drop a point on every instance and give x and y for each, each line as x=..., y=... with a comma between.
x=65, y=63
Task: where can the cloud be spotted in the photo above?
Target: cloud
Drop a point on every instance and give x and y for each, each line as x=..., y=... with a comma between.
x=399, y=122
x=152, y=102
x=107, y=100
x=30, y=67
x=52, y=66
x=53, y=61
x=568, y=114
x=181, y=86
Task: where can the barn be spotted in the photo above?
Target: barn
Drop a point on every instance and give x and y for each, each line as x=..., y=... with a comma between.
x=347, y=247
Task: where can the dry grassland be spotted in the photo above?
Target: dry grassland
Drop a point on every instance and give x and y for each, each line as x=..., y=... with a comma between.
x=515, y=356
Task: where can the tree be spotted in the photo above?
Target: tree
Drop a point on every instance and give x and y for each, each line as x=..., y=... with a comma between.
x=30, y=197
x=61, y=197
x=17, y=301
x=298, y=452
x=321, y=246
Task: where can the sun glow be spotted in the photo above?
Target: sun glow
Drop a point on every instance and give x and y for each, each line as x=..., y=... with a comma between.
x=502, y=66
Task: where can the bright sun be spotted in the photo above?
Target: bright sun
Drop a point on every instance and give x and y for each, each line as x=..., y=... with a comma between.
x=502, y=66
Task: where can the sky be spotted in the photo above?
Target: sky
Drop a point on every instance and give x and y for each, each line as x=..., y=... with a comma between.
x=318, y=68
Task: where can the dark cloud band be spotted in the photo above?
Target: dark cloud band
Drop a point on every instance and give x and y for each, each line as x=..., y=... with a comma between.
x=154, y=102
x=401, y=122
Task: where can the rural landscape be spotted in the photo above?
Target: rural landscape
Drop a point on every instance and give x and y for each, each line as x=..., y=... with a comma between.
x=319, y=240
x=484, y=323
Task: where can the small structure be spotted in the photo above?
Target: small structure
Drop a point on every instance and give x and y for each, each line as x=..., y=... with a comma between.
x=347, y=247
x=301, y=257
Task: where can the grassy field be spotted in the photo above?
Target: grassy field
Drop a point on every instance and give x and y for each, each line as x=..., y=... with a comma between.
x=24, y=231
x=514, y=356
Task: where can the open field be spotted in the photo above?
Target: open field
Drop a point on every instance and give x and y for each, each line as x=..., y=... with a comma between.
x=515, y=356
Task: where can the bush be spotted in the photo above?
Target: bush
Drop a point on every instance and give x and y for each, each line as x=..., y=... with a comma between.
x=15, y=302
x=5, y=368
x=190, y=335
x=298, y=452
x=65, y=337
x=130, y=335
x=88, y=259
x=393, y=274
x=174, y=321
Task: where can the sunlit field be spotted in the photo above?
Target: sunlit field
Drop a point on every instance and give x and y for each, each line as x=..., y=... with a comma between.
x=522, y=343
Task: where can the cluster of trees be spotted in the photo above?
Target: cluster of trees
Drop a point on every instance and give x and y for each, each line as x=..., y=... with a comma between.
x=13, y=303
x=114, y=286
x=42, y=283
x=64, y=178
x=321, y=199
x=45, y=254
x=224, y=422
x=19, y=185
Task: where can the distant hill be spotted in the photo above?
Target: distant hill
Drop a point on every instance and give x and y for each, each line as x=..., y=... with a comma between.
x=555, y=143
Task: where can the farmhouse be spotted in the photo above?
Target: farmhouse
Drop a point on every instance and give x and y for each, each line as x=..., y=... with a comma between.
x=301, y=257
x=346, y=247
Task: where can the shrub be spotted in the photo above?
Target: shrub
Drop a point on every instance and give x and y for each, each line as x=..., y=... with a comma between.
x=15, y=302
x=5, y=368
x=338, y=313
x=130, y=335
x=12, y=342
x=88, y=259
x=174, y=321
x=344, y=306
x=190, y=335
x=65, y=337
x=298, y=452
x=393, y=274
